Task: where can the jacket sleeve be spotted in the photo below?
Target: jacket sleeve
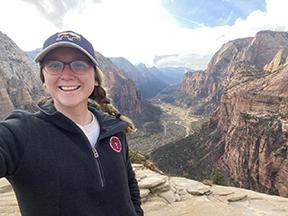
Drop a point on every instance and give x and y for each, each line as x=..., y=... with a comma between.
x=13, y=134
x=133, y=185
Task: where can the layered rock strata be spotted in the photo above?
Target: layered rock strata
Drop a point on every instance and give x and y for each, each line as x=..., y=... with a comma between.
x=246, y=137
x=19, y=78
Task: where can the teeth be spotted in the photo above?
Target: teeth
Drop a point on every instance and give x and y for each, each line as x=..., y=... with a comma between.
x=68, y=88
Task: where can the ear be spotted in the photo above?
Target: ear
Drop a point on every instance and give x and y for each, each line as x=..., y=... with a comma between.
x=45, y=88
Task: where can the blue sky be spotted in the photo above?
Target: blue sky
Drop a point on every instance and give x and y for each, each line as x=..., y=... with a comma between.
x=188, y=30
x=196, y=13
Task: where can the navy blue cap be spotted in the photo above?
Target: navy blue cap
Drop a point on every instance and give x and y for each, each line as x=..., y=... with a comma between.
x=67, y=39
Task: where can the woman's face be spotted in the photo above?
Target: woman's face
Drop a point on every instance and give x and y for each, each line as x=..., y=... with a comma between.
x=69, y=89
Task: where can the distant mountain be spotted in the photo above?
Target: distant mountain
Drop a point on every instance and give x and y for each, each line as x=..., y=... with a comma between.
x=147, y=83
x=33, y=53
x=246, y=139
x=170, y=75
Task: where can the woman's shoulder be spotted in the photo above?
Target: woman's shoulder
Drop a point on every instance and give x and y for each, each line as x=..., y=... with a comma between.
x=18, y=114
x=18, y=118
x=16, y=123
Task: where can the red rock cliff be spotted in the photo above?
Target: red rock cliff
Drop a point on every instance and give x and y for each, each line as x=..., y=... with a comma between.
x=246, y=138
x=252, y=115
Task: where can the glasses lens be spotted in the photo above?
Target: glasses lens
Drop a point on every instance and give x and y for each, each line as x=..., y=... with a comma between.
x=54, y=67
x=80, y=66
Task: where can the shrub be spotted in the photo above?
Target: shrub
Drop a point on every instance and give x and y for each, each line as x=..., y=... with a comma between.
x=218, y=178
x=135, y=157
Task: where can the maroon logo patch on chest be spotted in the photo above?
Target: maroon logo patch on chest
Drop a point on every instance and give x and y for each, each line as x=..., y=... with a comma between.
x=115, y=144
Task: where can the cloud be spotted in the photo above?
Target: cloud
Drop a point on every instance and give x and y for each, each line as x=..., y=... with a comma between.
x=194, y=61
x=206, y=40
x=55, y=10
x=24, y=24
x=274, y=18
x=137, y=30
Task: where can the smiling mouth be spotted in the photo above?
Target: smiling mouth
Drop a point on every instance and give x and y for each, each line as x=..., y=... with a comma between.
x=69, y=88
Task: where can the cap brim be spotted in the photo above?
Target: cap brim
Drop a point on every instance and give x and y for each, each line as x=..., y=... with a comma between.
x=44, y=52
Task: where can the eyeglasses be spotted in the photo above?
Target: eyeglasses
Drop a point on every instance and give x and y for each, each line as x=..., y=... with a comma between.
x=56, y=67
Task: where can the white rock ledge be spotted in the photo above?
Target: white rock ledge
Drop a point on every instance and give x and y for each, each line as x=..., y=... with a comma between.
x=174, y=196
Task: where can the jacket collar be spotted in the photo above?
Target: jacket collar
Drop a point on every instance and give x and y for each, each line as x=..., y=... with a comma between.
x=109, y=125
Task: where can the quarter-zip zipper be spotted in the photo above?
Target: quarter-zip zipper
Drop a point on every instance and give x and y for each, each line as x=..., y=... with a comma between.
x=96, y=156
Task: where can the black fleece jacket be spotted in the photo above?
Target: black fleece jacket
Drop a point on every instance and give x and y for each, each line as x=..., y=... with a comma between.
x=54, y=171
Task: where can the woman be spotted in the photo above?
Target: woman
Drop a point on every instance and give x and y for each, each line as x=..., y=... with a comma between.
x=70, y=158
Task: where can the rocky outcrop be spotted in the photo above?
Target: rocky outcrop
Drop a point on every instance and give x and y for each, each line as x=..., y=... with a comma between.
x=192, y=81
x=246, y=138
x=175, y=196
x=19, y=79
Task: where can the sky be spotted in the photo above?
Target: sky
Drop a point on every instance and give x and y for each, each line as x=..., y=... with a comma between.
x=147, y=31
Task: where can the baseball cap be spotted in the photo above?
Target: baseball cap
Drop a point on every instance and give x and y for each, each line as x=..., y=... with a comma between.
x=67, y=39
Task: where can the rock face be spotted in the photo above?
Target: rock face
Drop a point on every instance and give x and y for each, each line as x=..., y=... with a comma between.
x=20, y=85
x=121, y=89
x=246, y=138
x=175, y=196
x=258, y=51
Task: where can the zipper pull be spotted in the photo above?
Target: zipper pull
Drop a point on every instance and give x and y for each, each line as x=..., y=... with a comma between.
x=96, y=155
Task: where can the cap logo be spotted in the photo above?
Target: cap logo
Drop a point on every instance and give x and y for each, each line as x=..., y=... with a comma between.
x=69, y=35
x=115, y=144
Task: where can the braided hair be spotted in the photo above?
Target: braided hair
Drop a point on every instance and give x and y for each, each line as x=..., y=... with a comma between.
x=99, y=95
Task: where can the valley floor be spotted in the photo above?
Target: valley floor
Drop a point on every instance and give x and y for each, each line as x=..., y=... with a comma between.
x=176, y=123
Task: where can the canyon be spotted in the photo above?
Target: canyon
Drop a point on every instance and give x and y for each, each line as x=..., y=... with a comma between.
x=245, y=90
x=230, y=118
